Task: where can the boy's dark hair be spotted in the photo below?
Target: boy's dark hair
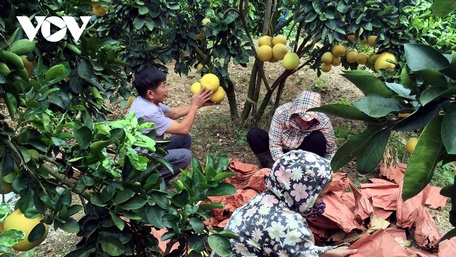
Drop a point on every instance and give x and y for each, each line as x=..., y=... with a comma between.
x=148, y=79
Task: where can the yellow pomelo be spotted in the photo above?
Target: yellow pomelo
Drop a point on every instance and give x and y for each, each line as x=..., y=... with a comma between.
x=264, y=41
x=218, y=95
x=327, y=58
x=210, y=81
x=130, y=101
x=351, y=37
x=371, y=40
x=205, y=21
x=363, y=41
x=99, y=10
x=17, y=220
x=373, y=58
x=361, y=58
x=264, y=53
x=279, y=39
x=385, y=61
x=411, y=144
x=351, y=57
x=338, y=50
x=325, y=67
x=195, y=88
x=349, y=50
x=279, y=51
x=290, y=61
x=336, y=61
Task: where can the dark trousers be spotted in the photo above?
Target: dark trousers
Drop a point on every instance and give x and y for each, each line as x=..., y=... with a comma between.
x=258, y=140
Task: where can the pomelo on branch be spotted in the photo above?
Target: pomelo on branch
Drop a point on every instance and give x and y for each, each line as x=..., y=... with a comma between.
x=327, y=58
x=290, y=61
x=279, y=39
x=325, y=67
x=264, y=41
x=264, y=53
x=279, y=51
x=336, y=61
x=371, y=40
x=338, y=50
x=218, y=95
x=17, y=220
x=195, y=88
x=351, y=57
x=210, y=81
x=361, y=58
x=385, y=61
x=373, y=57
x=411, y=144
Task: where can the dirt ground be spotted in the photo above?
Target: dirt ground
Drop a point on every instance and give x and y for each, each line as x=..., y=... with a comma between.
x=214, y=132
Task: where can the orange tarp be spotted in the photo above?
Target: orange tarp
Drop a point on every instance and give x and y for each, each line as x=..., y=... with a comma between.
x=358, y=215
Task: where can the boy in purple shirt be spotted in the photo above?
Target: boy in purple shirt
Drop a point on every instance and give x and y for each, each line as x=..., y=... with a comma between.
x=152, y=90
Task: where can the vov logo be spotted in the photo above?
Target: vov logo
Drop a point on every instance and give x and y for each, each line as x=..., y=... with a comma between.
x=63, y=23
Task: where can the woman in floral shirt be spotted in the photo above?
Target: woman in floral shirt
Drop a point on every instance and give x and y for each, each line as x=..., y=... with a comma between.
x=274, y=222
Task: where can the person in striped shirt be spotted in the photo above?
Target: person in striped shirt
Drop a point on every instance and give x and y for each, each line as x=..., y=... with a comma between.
x=293, y=127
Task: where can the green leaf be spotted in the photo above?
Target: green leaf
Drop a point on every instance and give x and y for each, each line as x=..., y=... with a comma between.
x=349, y=149
x=432, y=77
x=443, y=7
x=8, y=238
x=223, y=175
x=377, y=106
x=37, y=233
x=154, y=215
x=197, y=225
x=450, y=71
x=219, y=244
x=367, y=82
x=83, y=135
x=420, y=57
x=420, y=118
x=123, y=195
x=423, y=160
x=221, y=190
x=400, y=90
x=448, y=235
x=120, y=223
x=97, y=147
x=374, y=148
x=431, y=93
x=11, y=104
x=133, y=204
x=449, y=129
x=344, y=111
x=69, y=225
x=112, y=246
x=196, y=243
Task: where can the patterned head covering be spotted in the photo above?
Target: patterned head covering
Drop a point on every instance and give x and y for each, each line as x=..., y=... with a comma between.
x=297, y=178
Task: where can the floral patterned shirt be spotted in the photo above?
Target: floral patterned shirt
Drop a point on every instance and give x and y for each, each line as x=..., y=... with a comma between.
x=273, y=223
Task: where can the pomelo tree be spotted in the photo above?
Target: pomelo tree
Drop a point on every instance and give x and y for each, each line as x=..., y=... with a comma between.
x=55, y=141
x=418, y=98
